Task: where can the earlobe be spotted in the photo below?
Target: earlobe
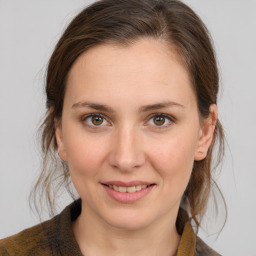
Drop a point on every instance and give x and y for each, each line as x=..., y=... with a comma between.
x=59, y=140
x=206, y=134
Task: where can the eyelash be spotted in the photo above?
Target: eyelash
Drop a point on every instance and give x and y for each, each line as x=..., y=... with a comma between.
x=93, y=115
x=168, y=117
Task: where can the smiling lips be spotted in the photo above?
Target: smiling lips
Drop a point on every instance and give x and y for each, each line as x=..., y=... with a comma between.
x=131, y=189
x=127, y=192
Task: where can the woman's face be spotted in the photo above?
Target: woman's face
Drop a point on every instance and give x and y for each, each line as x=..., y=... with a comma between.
x=130, y=132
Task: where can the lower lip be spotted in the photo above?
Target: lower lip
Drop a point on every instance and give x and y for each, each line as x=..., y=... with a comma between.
x=127, y=197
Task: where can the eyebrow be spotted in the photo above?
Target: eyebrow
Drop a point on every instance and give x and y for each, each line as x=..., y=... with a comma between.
x=160, y=105
x=146, y=108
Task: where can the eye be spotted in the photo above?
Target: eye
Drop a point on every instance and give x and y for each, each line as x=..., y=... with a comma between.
x=95, y=120
x=160, y=120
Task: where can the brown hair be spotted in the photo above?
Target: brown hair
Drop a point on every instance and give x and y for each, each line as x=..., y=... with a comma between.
x=124, y=22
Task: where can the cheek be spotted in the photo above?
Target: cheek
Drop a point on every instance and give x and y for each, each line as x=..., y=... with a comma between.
x=85, y=154
x=174, y=159
x=173, y=152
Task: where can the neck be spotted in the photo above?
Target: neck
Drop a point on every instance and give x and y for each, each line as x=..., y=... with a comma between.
x=95, y=237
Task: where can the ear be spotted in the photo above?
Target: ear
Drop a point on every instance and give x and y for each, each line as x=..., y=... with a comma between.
x=59, y=139
x=206, y=133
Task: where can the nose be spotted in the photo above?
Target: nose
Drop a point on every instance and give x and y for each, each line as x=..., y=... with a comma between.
x=127, y=150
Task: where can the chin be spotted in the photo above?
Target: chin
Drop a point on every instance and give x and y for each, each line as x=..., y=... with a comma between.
x=129, y=220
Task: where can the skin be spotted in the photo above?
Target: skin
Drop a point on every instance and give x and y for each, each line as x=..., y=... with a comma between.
x=128, y=144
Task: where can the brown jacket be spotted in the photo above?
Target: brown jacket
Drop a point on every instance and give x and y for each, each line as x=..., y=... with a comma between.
x=55, y=237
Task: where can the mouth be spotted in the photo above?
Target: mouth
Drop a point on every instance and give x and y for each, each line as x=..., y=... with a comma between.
x=128, y=189
x=128, y=192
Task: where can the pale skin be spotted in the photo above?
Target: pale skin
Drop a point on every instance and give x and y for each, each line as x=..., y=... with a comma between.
x=125, y=87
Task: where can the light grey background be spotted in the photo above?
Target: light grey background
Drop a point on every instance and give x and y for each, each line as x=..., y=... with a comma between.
x=29, y=30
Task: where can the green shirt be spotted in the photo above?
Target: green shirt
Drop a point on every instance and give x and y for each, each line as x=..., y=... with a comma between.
x=55, y=237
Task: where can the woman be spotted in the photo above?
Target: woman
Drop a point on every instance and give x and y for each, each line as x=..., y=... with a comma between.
x=132, y=113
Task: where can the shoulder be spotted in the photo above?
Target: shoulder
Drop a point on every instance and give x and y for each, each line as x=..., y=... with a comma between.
x=31, y=241
x=203, y=249
x=52, y=237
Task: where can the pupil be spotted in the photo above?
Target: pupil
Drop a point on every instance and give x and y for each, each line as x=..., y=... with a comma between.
x=159, y=120
x=97, y=120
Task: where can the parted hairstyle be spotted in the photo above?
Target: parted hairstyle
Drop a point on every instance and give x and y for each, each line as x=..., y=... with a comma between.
x=123, y=22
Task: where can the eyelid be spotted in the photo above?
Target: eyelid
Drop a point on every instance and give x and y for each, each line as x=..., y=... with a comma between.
x=84, y=117
x=169, y=117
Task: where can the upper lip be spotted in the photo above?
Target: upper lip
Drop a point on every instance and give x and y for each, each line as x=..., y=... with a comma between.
x=127, y=184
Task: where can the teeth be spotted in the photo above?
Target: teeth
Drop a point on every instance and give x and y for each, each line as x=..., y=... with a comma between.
x=115, y=187
x=131, y=189
x=122, y=189
x=138, y=188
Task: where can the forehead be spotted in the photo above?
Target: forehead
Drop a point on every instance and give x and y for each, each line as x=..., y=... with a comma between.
x=148, y=68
